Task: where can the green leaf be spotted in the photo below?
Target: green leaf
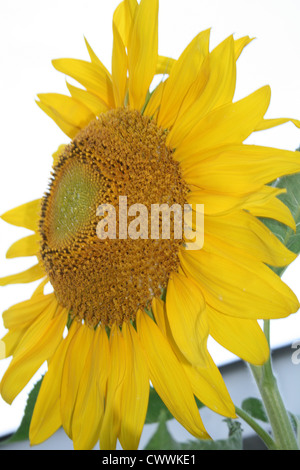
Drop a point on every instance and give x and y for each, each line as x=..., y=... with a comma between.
x=163, y=440
x=255, y=408
x=291, y=199
x=22, y=432
x=156, y=406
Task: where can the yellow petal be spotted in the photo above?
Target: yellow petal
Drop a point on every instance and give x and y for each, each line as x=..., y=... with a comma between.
x=123, y=19
x=67, y=108
x=243, y=288
x=206, y=381
x=240, y=44
x=122, y=28
x=164, y=65
x=158, y=309
x=185, y=305
x=111, y=423
x=65, y=126
x=90, y=75
x=249, y=234
x=46, y=417
x=12, y=339
x=40, y=288
x=89, y=408
x=228, y=124
x=182, y=77
x=220, y=203
x=38, y=325
x=134, y=403
x=274, y=209
x=239, y=169
x=269, y=123
x=168, y=377
x=27, y=246
x=142, y=52
x=216, y=84
x=209, y=387
x=262, y=196
x=2, y=350
x=30, y=275
x=90, y=100
x=74, y=366
x=226, y=51
x=153, y=105
x=240, y=336
x=38, y=346
x=119, y=68
x=95, y=59
x=27, y=215
x=218, y=79
x=24, y=313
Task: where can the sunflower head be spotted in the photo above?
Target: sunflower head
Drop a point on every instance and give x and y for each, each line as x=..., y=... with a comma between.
x=138, y=308
x=122, y=154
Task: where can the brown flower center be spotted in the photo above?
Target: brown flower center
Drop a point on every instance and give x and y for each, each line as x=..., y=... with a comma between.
x=119, y=157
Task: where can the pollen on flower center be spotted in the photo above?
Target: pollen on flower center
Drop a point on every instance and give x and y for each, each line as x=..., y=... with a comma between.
x=122, y=153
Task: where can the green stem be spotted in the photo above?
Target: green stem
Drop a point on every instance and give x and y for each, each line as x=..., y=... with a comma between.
x=283, y=432
x=266, y=438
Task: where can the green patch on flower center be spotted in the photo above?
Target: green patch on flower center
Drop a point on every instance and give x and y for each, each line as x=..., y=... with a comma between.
x=74, y=197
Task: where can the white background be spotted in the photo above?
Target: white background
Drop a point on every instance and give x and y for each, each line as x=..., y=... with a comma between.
x=34, y=32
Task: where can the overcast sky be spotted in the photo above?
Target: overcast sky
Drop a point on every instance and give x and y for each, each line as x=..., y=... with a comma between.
x=33, y=33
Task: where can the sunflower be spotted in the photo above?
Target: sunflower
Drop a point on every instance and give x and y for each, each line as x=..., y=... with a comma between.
x=126, y=313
